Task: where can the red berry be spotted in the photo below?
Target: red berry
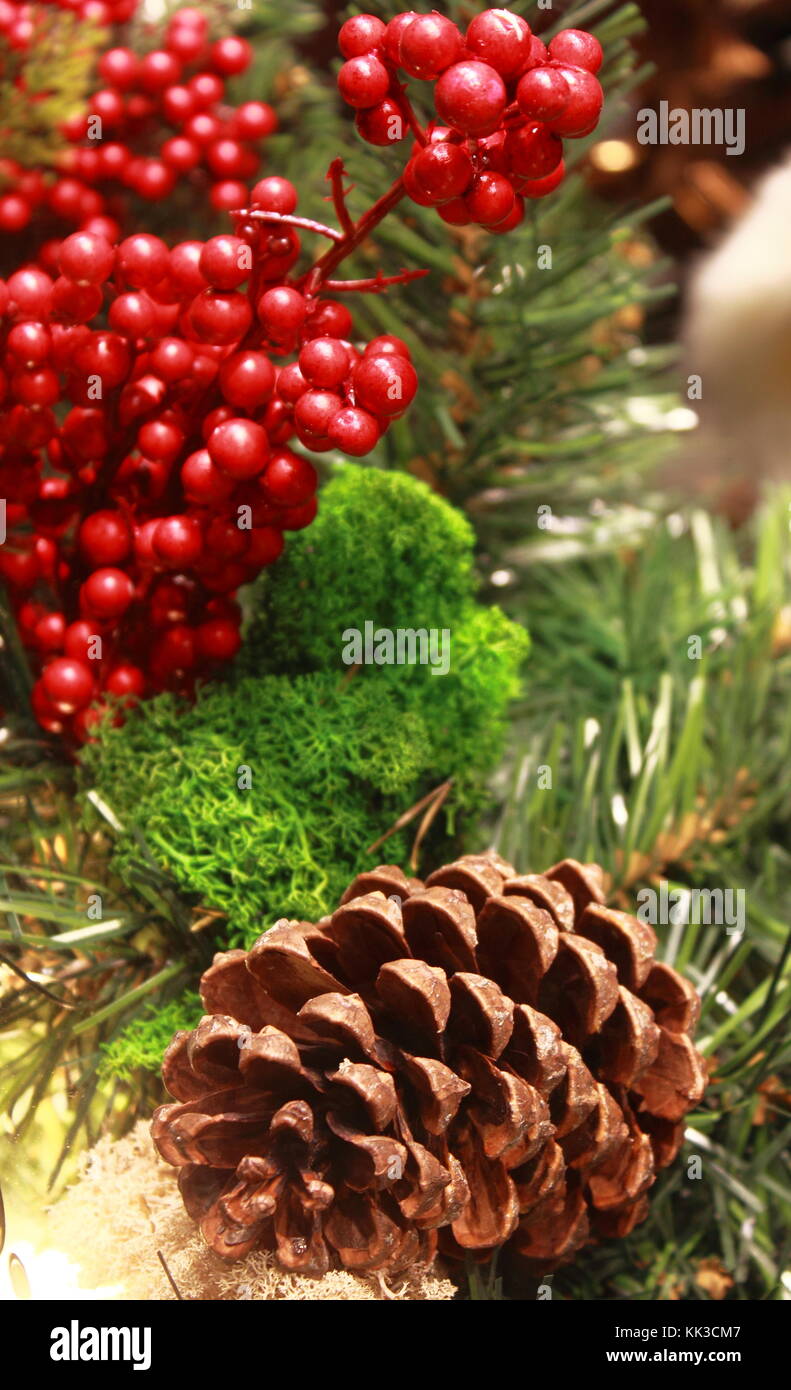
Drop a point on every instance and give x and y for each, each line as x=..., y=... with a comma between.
x=471, y=97
x=577, y=48
x=29, y=293
x=328, y=319
x=515, y=216
x=49, y=632
x=181, y=154
x=239, y=447
x=133, y=314
x=15, y=212
x=107, y=593
x=225, y=539
x=68, y=684
x=355, y=431
x=264, y=546
x=118, y=67
x=363, y=81
x=501, y=39
x=384, y=385
x=158, y=70
x=172, y=359
x=225, y=261
x=533, y=151
x=231, y=56
x=274, y=194
x=174, y=651
x=177, y=541
x=543, y=93
x=254, y=120
x=74, y=303
x=186, y=43
x=429, y=44
x=361, y=34
x=29, y=343
x=540, y=188
x=81, y=641
x=220, y=318
x=443, y=171
x=142, y=260
x=314, y=411
x=387, y=345
x=291, y=384
x=204, y=483
x=382, y=124
x=324, y=362
x=584, y=107
x=207, y=90
x=185, y=267
x=290, y=479
x=228, y=195
x=297, y=518
x=178, y=104
x=247, y=379
x=126, y=680
x=282, y=312
x=105, y=538
x=490, y=200
x=161, y=440
x=218, y=639
x=36, y=386
x=86, y=259
x=395, y=29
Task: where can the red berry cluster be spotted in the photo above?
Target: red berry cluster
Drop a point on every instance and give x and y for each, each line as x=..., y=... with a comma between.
x=156, y=120
x=18, y=22
x=504, y=103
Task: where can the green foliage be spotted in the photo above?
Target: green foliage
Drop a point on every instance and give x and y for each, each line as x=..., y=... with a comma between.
x=666, y=765
x=57, y=70
x=334, y=759
x=141, y=1046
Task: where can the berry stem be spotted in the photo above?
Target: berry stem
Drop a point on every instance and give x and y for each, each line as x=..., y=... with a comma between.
x=288, y=219
x=335, y=176
x=353, y=238
x=376, y=284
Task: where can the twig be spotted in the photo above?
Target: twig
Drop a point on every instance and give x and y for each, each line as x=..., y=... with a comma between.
x=316, y=277
x=288, y=219
x=377, y=284
x=425, y=801
x=169, y=1277
x=335, y=175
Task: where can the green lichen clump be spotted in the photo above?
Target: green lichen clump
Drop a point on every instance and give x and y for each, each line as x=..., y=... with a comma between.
x=263, y=797
x=141, y=1046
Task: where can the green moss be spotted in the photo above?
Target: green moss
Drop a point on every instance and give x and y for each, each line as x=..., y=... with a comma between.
x=141, y=1045
x=383, y=548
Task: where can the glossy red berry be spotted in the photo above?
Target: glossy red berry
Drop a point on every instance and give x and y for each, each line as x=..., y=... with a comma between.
x=86, y=259
x=68, y=684
x=247, y=379
x=363, y=81
x=29, y=343
x=177, y=541
x=314, y=411
x=290, y=479
x=471, y=97
x=172, y=359
x=254, y=120
x=384, y=385
x=230, y=56
x=161, y=440
x=118, y=68
x=107, y=593
x=328, y=318
x=220, y=317
x=429, y=44
x=158, y=70
x=361, y=34
x=490, y=199
x=443, y=171
x=282, y=312
x=355, y=431
x=585, y=104
x=543, y=93
x=239, y=448
x=388, y=345
x=125, y=680
x=203, y=482
x=541, y=188
x=324, y=362
x=142, y=260
x=533, y=151
x=225, y=262
x=274, y=194
x=394, y=32
x=501, y=39
x=577, y=48
x=105, y=538
x=133, y=314
x=218, y=639
x=382, y=124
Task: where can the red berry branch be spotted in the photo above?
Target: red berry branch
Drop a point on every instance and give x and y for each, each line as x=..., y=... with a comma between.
x=153, y=393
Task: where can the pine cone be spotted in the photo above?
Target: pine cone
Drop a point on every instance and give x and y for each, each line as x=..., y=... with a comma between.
x=482, y=1059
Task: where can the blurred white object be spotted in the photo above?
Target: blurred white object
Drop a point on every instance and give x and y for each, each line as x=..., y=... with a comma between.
x=737, y=340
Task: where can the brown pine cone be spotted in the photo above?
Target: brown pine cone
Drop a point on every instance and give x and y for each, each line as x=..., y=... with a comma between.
x=482, y=1059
